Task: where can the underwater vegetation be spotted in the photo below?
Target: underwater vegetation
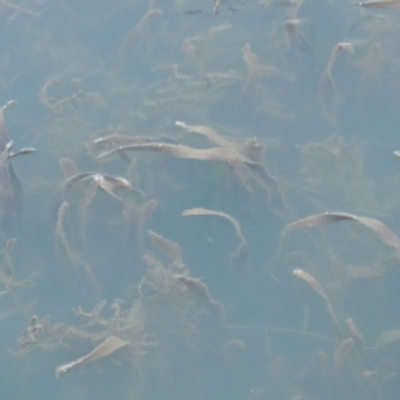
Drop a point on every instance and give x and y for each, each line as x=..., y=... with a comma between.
x=211, y=204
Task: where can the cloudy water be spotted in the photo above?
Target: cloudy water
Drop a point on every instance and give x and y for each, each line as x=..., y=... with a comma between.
x=200, y=199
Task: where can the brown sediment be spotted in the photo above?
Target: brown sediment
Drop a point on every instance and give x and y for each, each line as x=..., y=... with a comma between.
x=242, y=252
